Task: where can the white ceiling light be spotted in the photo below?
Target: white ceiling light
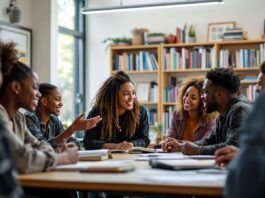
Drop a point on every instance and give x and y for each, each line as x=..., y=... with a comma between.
x=122, y=8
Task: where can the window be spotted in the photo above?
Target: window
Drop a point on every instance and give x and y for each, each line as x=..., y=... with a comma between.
x=71, y=58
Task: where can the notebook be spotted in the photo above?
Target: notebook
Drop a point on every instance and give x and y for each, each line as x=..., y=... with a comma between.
x=187, y=164
x=135, y=150
x=94, y=155
x=102, y=166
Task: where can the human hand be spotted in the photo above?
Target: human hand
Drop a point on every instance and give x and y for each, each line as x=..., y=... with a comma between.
x=124, y=146
x=224, y=155
x=171, y=145
x=68, y=155
x=190, y=148
x=80, y=123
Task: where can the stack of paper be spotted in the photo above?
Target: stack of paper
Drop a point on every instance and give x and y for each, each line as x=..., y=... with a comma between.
x=103, y=166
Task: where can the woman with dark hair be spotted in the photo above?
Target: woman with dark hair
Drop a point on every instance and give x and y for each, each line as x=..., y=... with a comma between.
x=20, y=90
x=8, y=182
x=46, y=126
x=124, y=121
x=189, y=121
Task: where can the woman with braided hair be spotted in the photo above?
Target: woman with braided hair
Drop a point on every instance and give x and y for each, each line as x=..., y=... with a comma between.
x=124, y=121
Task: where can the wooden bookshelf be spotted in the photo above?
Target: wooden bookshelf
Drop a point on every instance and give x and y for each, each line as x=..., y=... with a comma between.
x=245, y=51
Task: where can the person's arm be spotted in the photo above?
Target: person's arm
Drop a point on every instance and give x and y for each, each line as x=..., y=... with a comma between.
x=80, y=123
x=30, y=155
x=224, y=155
x=231, y=127
x=141, y=136
x=92, y=136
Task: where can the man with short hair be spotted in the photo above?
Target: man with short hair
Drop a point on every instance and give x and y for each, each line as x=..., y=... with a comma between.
x=219, y=94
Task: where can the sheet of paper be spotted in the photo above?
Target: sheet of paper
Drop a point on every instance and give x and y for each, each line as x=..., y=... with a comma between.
x=161, y=156
x=100, y=164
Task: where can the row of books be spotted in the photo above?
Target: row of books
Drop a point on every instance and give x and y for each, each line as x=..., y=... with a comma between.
x=135, y=61
x=181, y=58
x=167, y=117
x=180, y=35
x=152, y=116
x=250, y=92
x=170, y=93
x=242, y=58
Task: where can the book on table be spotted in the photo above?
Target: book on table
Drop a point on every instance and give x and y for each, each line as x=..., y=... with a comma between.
x=186, y=164
x=102, y=166
x=134, y=150
x=94, y=155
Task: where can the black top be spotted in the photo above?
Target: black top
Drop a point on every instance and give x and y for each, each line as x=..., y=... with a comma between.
x=246, y=176
x=227, y=128
x=140, y=138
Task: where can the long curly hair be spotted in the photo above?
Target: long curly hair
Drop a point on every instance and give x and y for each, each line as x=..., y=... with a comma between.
x=12, y=69
x=106, y=102
x=196, y=82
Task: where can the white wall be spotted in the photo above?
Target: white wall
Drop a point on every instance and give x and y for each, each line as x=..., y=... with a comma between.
x=24, y=5
x=248, y=14
x=44, y=22
x=40, y=16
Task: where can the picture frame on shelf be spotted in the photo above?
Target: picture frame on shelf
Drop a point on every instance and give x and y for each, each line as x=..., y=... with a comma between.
x=143, y=91
x=21, y=36
x=216, y=30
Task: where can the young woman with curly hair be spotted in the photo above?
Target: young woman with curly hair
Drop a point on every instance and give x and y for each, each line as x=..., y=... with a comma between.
x=124, y=121
x=189, y=121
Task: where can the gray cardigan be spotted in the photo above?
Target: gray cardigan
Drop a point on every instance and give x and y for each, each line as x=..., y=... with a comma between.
x=29, y=154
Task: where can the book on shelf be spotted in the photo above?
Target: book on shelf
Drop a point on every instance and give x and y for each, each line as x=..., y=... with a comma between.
x=185, y=164
x=101, y=167
x=235, y=34
x=152, y=116
x=198, y=57
x=134, y=150
x=94, y=155
x=153, y=96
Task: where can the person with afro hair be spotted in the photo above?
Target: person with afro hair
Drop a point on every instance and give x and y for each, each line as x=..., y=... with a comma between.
x=219, y=94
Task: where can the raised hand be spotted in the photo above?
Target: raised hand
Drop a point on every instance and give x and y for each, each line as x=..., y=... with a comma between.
x=80, y=123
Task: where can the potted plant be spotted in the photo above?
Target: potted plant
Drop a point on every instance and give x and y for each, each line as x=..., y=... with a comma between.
x=158, y=130
x=192, y=34
x=117, y=41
